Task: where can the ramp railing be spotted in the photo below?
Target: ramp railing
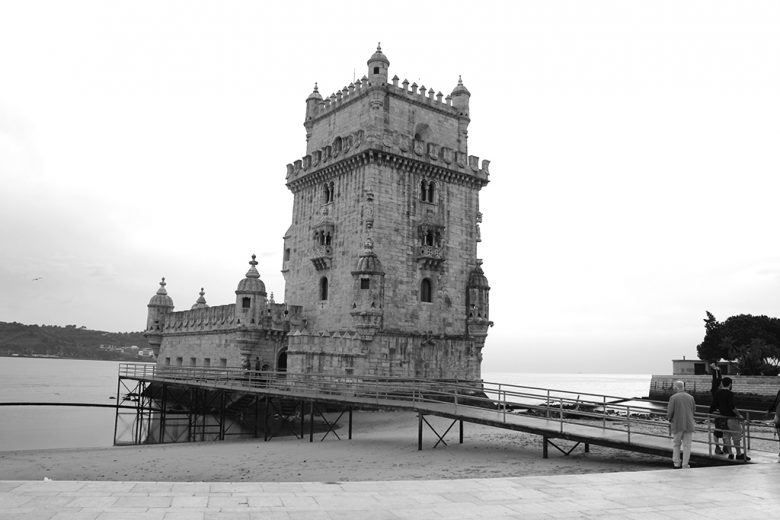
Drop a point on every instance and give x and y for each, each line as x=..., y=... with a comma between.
x=632, y=420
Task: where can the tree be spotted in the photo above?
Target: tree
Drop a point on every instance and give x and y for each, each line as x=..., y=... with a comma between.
x=753, y=341
x=710, y=349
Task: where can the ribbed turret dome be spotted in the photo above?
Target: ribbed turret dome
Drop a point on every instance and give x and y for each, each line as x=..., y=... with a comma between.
x=200, y=303
x=477, y=278
x=378, y=56
x=368, y=262
x=252, y=283
x=460, y=88
x=161, y=299
x=315, y=94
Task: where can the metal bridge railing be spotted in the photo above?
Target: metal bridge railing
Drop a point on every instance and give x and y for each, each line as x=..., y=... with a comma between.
x=632, y=418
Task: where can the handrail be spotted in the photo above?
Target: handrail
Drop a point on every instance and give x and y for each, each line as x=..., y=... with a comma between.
x=542, y=403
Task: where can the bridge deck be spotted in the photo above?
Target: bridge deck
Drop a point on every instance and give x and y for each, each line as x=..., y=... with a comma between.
x=552, y=414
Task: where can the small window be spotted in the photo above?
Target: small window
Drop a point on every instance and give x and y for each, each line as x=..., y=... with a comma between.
x=179, y=361
x=376, y=70
x=365, y=283
x=167, y=362
x=223, y=362
x=323, y=288
x=426, y=291
x=245, y=303
x=207, y=362
x=193, y=361
x=286, y=254
x=430, y=192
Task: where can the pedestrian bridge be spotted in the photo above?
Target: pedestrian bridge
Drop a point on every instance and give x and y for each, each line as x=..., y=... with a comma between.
x=185, y=404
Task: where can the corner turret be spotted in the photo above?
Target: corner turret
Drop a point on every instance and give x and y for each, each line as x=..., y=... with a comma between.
x=378, y=66
x=368, y=292
x=460, y=101
x=312, y=102
x=250, y=296
x=160, y=305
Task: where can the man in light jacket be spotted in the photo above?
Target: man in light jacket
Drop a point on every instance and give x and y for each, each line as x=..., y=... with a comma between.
x=680, y=415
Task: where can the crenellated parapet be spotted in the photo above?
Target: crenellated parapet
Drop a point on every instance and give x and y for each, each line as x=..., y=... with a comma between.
x=346, y=150
x=413, y=93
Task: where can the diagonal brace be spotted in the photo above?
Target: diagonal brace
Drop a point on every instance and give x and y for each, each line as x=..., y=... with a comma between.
x=331, y=426
x=441, y=437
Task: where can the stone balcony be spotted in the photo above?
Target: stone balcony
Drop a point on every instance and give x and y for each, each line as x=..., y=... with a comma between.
x=430, y=257
x=321, y=257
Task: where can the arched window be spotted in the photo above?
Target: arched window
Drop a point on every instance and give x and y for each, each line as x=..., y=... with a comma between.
x=323, y=288
x=423, y=191
x=430, y=191
x=426, y=290
x=331, y=192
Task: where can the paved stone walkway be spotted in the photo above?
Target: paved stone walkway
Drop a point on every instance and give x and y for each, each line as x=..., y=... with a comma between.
x=749, y=492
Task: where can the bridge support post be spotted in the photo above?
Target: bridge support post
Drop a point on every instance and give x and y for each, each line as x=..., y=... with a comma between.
x=266, y=422
x=350, y=423
x=311, y=421
x=587, y=447
x=302, y=406
x=461, y=431
x=163, y=406
x=544, y=448
x=419, y=430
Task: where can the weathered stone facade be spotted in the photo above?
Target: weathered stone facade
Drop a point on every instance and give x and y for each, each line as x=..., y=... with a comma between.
x=380, y=260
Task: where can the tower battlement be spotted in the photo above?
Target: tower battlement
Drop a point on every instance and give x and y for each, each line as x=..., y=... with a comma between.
x=427, y=97
x=352, y=147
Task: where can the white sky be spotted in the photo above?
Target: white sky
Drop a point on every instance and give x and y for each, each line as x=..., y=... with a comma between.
x=633, y=147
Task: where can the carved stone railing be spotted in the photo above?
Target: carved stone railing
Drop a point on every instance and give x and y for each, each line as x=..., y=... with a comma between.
x=430, y=257
x=321, y=257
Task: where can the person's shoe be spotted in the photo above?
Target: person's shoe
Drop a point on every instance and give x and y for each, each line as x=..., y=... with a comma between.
x=687, y=466
x=742, y=456
x=677, y=466
x=718, y=450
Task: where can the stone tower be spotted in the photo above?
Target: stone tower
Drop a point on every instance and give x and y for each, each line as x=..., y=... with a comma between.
x=381, y=254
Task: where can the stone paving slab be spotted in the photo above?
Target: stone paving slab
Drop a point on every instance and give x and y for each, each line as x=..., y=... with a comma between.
x=741, y=492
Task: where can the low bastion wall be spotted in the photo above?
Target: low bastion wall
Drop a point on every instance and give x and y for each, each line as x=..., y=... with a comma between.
x=751, y=392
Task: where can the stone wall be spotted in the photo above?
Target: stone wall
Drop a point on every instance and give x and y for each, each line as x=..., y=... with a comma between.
x=388, y=355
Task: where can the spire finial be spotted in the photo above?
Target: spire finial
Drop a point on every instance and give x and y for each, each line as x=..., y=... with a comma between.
x=162, y=290
x=379, y=46
x=162, y=282
x=253, y=262
x=460, y=80
x=315, y=87
x=202, y=292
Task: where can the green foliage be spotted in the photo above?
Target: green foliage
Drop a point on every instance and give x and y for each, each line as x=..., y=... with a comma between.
x=753, y=341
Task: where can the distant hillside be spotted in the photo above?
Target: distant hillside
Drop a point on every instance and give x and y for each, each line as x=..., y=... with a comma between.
x=68, y=342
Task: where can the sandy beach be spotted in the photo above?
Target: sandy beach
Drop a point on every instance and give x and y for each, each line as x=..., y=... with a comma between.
x=383, y=447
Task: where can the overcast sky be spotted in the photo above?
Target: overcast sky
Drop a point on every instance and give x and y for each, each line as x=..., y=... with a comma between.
x=633, y=148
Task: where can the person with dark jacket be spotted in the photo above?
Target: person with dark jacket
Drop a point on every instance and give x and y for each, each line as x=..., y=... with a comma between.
x=775, y=409
x=717, y=431
x=732, y=434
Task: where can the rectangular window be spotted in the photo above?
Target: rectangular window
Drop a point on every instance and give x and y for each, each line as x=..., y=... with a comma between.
x=365, y=283
x=245, y=303
x=286, y=254
x=193, y=361
x=207, y=362
x=179, y=361
x=167, y=362
x=223, y=362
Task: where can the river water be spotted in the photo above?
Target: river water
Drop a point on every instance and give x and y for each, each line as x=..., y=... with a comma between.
x=95, y=382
